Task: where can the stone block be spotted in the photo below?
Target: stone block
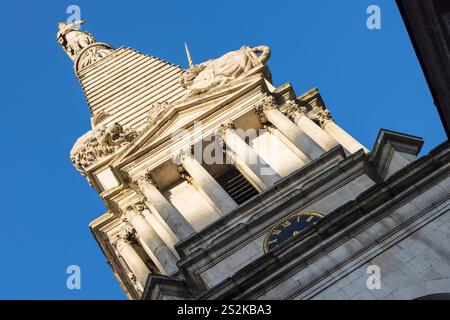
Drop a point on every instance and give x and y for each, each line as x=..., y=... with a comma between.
x=363, y=295
x=330, y=295
x=281, y=290
x=405, y=212
x=394, y=279
x=351, y=290
x=233, y=263
x=387, y=261
x=322, y=265
x=402, y=255
x=414, y=245
x=419, y=264
x=429, y=197
x=445, y=184
x=437, y=286
x=304, y=276
x=345, y=250
x=410, y=292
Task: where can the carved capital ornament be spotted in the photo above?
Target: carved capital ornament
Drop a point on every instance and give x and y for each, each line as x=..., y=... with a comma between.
x=228, y=125
x=181, y=155
x=145, y=179
x=294, y=111
x=267, y=103
x=323, y=117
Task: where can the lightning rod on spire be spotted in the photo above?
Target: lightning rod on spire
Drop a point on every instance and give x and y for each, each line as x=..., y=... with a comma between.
x=188, y=55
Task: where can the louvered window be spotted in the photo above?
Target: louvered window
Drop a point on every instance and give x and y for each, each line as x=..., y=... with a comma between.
x=235, y=184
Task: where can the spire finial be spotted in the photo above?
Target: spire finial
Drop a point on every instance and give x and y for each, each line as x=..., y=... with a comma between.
x=80, y=45
x=188, y=55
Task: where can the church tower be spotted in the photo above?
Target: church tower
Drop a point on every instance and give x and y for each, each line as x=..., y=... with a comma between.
x=219, y=185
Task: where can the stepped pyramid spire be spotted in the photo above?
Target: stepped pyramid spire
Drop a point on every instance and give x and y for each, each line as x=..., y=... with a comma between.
x=115, y=81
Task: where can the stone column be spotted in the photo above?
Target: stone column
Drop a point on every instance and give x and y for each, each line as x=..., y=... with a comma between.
x=139, y=270
x=347, y=141
x=315, y=132
x=247, y=161
x=269, y=112
x=163, y=208
x=205, y=184
x=303, y=159
x=150, y=241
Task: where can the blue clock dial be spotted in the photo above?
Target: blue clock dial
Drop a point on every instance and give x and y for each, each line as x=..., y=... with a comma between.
x=289, y=228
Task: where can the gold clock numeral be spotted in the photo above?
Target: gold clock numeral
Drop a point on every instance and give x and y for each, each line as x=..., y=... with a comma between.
x=296, y=233
x=272, y=241
x=276, y=232
x=286, y=223
x=310, y=218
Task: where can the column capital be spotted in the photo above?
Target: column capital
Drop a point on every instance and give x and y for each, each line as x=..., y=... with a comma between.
x=267, y=103
x=178, y=160
x=294, y=111
x=132, y=278
x=139, y=206
x=269, y=127
x=184, y=174
x=129, y=236
x=146, y=178
x=126, y=237
x=182, y=154
x=323, y=117
x=133, y=210
x=229, y=124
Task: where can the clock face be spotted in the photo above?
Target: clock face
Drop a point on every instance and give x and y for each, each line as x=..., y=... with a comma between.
x=288, y=228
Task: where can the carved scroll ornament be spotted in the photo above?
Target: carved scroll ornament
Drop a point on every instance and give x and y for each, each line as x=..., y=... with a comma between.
x=98, y=143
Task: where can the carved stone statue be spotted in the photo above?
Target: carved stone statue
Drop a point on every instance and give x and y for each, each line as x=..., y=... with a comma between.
x=212, y=73
x=155, y=110
x=98, y=143
x=80, y=45
x=72, y=39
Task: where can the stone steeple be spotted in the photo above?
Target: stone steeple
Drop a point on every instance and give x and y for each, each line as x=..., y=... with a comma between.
x=205, y=171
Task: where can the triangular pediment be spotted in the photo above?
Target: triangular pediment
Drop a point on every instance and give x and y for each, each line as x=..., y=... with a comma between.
x=184, y=113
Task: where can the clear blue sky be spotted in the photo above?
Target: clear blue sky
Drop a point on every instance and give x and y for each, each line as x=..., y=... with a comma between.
x=369, y=80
